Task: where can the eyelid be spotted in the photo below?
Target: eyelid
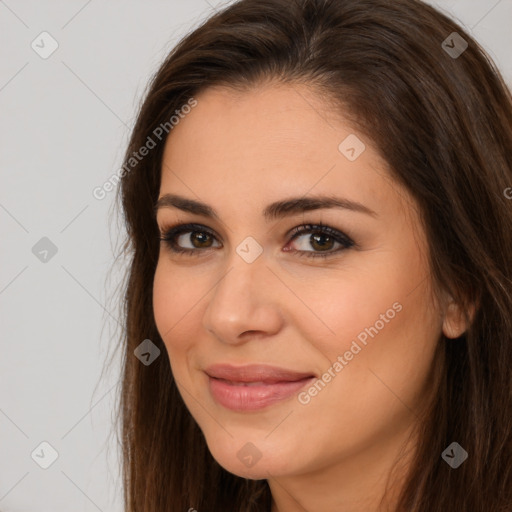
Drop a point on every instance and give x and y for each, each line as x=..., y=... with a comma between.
x=322, y=228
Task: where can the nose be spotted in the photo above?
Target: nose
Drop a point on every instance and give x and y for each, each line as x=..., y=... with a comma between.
x=245, y=303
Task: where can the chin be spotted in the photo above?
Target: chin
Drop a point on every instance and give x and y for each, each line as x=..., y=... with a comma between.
x=251, y=460
x=260, y=473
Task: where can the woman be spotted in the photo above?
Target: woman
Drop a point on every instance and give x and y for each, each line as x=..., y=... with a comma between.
x=320, y=293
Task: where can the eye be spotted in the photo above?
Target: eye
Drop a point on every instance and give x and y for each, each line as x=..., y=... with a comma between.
x=199, y=238
x=322, y=238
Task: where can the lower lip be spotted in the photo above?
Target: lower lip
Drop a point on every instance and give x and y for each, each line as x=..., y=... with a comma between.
x=254, y=397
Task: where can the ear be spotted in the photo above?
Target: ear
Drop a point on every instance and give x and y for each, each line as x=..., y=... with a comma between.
x=454, y=321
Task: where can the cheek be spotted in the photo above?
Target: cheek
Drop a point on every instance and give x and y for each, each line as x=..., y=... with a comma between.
x=386, y=334
x=381, y=318
x=342, y=307
x=384, y=364
x=174, y=299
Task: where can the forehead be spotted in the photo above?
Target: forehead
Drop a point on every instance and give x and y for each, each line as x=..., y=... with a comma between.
x=272, y=121
x=273, y=141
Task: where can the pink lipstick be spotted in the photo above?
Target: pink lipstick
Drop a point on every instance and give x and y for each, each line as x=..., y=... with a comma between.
x=253, y=387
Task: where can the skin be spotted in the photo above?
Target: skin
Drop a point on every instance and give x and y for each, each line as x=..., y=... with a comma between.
x=238, y=152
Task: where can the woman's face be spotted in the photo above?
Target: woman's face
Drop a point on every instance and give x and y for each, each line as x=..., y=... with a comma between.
x=346, y=316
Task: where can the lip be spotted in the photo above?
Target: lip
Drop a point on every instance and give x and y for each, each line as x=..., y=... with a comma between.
x=253, y=387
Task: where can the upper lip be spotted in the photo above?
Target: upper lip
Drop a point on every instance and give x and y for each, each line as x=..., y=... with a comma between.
x=255, y=373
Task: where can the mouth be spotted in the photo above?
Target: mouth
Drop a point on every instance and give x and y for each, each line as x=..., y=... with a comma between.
x=254, y=387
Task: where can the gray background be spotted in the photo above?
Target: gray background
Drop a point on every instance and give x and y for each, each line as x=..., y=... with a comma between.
x=64, y=124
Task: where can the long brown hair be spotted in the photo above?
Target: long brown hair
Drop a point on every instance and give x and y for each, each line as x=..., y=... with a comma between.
x=442, y=118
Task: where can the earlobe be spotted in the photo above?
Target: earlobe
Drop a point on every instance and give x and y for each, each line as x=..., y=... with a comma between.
x=454, y=321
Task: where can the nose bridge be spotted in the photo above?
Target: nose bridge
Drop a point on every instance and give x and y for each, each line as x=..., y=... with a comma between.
x=242, y=300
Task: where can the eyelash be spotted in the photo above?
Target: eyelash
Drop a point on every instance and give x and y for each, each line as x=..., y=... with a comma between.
x=169, y=237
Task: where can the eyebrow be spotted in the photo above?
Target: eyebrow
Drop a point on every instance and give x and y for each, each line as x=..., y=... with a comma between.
x=272, y=211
